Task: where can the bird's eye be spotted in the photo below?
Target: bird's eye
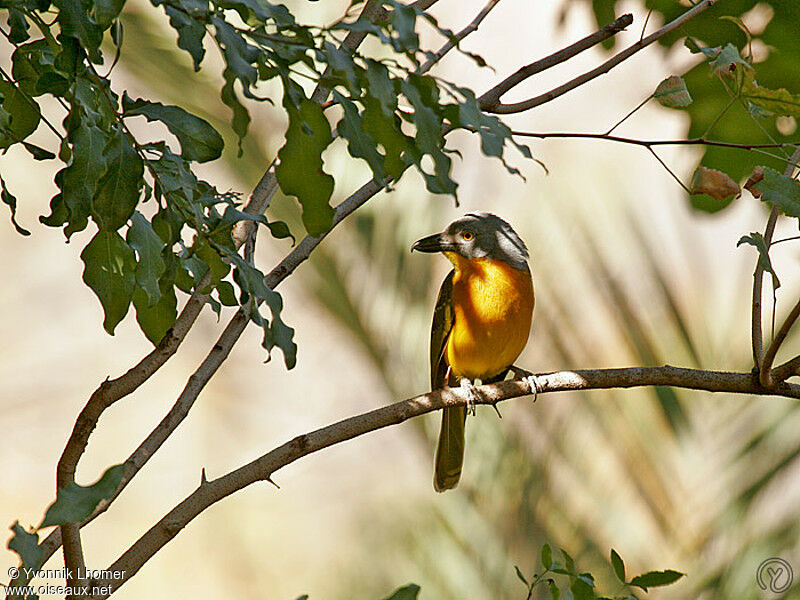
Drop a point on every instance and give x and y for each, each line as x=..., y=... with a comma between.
x=467, y=235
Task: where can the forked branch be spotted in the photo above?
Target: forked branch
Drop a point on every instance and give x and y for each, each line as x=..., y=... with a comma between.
x=262, y=468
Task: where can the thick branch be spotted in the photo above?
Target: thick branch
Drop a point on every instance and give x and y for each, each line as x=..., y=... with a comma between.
x=265, y=466
x=491, y=98
x=516, y=107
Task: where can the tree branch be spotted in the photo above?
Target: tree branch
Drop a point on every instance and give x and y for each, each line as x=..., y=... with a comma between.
x=764, y=370
x=262, y=468
x=516, y=107
x=491, y=98
x=647, y=143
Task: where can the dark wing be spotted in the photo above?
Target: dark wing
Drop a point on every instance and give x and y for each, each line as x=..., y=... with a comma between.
x=440, y=330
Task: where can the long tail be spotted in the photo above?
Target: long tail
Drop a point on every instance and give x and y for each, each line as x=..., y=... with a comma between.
x=450, y=450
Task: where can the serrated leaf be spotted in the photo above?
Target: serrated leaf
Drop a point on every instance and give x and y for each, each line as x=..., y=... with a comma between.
x=672, y=93
x=656, y=579
x=117, y=192
x=18, y=26
x=241, y=118
x=191, y=29
x=11, y=201
x=300, y=171
x=780, y=190
x=74, y=503
x=156, y=319
x=714, y=183
x=618, y=564
x=276, y=332
x=757, y=240
x=359, y=142
x=150, y=266
x=110, y=271
x=547, y=556
x=27, y=547
x=407, y=592
x=198, y=139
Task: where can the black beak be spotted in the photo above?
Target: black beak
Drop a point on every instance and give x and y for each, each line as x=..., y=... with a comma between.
x=432, y=243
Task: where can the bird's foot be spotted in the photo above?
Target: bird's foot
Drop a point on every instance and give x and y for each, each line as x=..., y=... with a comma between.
x=529, y=378
x=533, y=384
x=469, y=389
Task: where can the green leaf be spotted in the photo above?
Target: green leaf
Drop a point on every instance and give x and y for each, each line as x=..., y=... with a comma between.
x=780, y=190
x=569, y=563
x=276, y=332
x=300, y=171
x=190, y=27
x=198, y=139
x=26, y=545
x=241, y=118
x=155, y=320
x=150, y=266
x=778, y=102
x=106, y=11
x=547, y=556
x=619, y=566
x=555, y=593
x=656, y=579
x=672, y=93
x=359, y=142
x=74, y=503
x=520, y=576
x=407, y=592
x=23, y=114
x=79, y=180
x=727, y=60
x=757, y=240
x=18, y=26
x=37, y=152
x=117, y=191
x=9, y=199
x=581, y=590
x=76, y=23
x=110, y=271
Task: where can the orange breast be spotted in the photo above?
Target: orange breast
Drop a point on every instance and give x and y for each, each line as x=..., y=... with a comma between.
x=493, y=308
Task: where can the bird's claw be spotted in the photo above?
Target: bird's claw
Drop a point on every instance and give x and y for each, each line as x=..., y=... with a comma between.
x=533, y=384
x=469, y=391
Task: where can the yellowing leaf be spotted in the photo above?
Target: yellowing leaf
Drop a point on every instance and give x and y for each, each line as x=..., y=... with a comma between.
x=715, y=183
x=672, y=93
x=779, y=102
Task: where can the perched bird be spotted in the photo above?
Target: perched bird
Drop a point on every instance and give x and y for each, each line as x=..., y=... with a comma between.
x=481, y=321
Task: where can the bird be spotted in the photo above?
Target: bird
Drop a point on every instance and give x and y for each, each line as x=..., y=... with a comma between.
x=481, y=322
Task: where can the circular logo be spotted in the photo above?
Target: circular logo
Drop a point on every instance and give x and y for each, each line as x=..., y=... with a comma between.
x=775, y=575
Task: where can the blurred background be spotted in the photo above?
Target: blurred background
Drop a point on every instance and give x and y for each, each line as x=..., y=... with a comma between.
x=626, y=273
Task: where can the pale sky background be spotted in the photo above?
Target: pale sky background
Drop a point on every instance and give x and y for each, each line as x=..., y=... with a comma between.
x=280, y=544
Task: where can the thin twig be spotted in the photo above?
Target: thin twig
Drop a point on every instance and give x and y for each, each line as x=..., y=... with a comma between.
x=780, y=337
x=516, y=107
x=670, y=171
x=639, y=142
x=262, y=469
x=452, y=43
x=761, y=366
x=492, y=97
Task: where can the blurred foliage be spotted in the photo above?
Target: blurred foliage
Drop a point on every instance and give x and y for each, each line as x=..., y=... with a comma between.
x=719, y=114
